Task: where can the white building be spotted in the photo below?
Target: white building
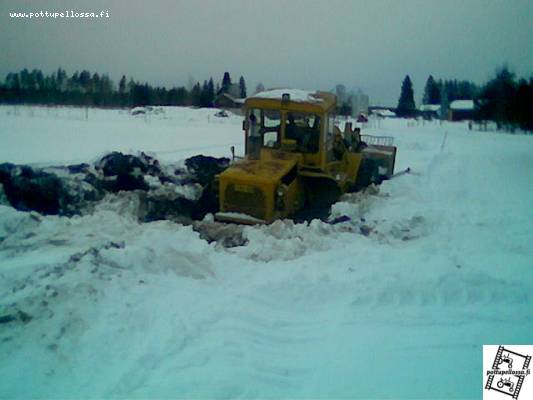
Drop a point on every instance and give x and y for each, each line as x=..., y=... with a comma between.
x=360, y=103
x=461, y=110
x=430, y=111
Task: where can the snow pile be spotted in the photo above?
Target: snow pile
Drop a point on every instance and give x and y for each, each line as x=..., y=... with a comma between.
x=147, y=110
x=284, y=240
x=160, y=192
x=349, y=218
x=100, y=246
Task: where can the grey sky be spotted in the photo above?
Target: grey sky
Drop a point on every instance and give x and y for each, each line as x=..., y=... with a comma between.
x=306, y=44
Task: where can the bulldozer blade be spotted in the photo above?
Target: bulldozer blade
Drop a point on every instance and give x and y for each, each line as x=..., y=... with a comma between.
x=238, y=218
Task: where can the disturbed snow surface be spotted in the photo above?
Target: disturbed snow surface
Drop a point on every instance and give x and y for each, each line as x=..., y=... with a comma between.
x=395, y=302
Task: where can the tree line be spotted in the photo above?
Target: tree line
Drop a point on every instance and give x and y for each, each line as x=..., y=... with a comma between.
x=504, y=99
x=436, y=92
x=92, y=89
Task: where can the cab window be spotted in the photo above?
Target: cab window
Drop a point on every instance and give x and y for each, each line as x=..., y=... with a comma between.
x=304, y=129
x=265, y=124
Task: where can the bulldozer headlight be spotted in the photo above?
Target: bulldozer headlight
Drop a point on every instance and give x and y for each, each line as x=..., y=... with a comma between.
x=281, y=191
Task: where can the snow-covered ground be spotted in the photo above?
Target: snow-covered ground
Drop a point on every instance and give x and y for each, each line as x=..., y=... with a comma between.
x=395, y=303
x=48, y=135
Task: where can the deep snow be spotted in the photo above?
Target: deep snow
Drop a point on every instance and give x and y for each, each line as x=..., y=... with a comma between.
x=395, y=303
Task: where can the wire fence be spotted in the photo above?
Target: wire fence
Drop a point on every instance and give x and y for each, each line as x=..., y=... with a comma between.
x=379, y=140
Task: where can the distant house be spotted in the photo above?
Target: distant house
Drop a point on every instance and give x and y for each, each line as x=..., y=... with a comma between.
x=233, y=90
x=461, y=110
x=229, y=98
x=227, y=101
x=430, y=111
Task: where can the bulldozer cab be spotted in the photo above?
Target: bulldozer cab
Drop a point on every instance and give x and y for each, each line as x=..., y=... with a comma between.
x=287, y=125
x=296, y=132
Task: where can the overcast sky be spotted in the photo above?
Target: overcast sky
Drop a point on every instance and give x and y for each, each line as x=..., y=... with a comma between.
x=307, y=44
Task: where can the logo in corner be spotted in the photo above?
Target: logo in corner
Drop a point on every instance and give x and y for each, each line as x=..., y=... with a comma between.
x=506, y=371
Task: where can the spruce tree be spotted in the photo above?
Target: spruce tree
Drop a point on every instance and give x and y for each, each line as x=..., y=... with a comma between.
x=73, y=83
x=106, y=90
x=122, y=85
x=39, y=79
x=226, y=82
x=95, y=82
x=496, y=98
x=523, y=103
x=24, y=79
x=61, y=78
x=431, y=92
x=195, y=95
x=204, y=95
x=141, y=95
x=131, y=85
x=122, y=97
x=85, y=79
x=242, y=88
x=9, y=79
x=406, y=103
x=211, y=92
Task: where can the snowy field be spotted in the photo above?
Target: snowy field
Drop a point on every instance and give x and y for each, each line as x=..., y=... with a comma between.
x=72, y=135
x=395, y=303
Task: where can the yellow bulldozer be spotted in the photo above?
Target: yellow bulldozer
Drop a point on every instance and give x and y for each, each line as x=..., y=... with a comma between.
x=297, y=159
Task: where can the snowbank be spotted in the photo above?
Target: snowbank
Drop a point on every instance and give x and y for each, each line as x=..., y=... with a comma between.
x=395, y=298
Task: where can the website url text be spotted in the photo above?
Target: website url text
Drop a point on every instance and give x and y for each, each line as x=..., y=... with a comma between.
x=62, y=14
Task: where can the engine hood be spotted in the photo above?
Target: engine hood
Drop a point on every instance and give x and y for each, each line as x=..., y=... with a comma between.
x=264, y=171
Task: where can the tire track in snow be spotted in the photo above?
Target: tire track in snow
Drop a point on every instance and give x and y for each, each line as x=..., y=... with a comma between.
x=252, y=348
